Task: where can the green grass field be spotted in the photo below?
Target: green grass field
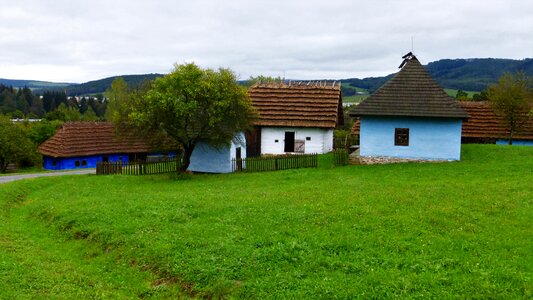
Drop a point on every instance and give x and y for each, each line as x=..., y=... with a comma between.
x=453, y=93
x=435, y=230
x=354, y=98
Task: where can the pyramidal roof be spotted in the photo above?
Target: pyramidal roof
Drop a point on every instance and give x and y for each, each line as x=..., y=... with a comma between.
x=411, y=92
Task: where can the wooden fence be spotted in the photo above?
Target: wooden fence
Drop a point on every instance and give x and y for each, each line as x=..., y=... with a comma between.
x=340, y=157
x=137, y=168
x=274, y=163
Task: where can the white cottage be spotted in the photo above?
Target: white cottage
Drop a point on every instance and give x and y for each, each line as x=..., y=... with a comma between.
x=296, y=117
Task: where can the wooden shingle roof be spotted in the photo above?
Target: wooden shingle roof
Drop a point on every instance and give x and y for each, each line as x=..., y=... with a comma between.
x=411, y=93
x=297, y=104
x=89, y=138
x=483, y=122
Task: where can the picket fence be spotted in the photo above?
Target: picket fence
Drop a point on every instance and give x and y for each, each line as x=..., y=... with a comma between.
x=137, y=167
x=274, y=163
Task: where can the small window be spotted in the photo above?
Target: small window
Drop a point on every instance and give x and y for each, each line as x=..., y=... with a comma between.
x=77, y=163
x=401, y=137
x=275, y=141
x=54, y=162
x=105, y=159
x=84, y=163
x=307, y=138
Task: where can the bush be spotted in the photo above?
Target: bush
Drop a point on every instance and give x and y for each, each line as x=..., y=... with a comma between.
x=15, y=146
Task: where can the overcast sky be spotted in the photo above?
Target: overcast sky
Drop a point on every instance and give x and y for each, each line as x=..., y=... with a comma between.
x=79, y=41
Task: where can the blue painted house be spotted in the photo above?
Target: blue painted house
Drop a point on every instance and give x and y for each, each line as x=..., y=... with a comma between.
x=410, y=117
x=78, y=145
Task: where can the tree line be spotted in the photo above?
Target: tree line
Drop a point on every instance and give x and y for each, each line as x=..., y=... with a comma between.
x=51, y=105
x=19, y=141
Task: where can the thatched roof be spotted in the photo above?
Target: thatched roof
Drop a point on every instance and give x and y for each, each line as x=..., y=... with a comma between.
x=410, y=93
x=90, y=138
x=297, y=104
x=483, y=122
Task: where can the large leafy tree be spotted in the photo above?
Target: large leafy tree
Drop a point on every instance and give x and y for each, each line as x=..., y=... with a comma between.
x=15, y=145
x=512, y=98
x=189, y=105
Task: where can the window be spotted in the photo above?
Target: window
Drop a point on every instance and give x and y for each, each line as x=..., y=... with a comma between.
x=307, y=138
x=84, y=163
x=401, y=137
x=275, y=141
x=54, y=162
x=105, y=159
x=77, y=163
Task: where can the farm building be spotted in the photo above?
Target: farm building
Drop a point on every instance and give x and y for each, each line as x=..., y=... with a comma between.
x=83, y=144
x=208, y=159
x=294, y=117
x=410, y=117
x=485, y=126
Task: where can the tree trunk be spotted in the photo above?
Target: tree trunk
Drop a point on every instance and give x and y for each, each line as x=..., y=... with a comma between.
x=511, y=137
x=186, y=161
x=3, y=166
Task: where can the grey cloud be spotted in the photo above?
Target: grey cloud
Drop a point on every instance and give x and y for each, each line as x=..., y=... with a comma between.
x=86, y=40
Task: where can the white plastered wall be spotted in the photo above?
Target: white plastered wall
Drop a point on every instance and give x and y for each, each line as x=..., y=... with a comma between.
x=317, y=140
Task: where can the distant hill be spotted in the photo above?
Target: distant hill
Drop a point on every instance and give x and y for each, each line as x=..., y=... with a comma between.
x=76, y=89
x=473, y=74
x=100, y=86
x=34, y=84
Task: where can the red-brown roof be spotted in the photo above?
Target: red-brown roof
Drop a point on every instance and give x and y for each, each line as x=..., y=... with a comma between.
x=297, y=104
x=485, y=123
x=89, y=138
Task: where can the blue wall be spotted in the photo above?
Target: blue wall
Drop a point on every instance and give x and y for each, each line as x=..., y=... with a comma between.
x=429, y=138
x=208, y=159
x=67, y=163
x=515, y=142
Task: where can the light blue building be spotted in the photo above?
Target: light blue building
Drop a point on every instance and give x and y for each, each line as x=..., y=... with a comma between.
x=410, y=117
x=208, y=159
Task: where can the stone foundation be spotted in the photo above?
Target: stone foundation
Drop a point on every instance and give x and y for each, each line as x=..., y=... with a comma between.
x=380, y=160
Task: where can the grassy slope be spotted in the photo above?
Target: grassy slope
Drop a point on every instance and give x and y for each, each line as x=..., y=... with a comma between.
x=453, y=93
x=423, y=230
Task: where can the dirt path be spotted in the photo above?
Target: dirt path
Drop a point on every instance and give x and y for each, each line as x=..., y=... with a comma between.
x=8, y=178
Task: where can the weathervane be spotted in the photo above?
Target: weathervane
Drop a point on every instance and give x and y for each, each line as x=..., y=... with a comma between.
x=406, y=58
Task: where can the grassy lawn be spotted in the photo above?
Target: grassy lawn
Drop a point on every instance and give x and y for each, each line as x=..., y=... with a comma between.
x=440, y=230
x=354, y=98
x=453, y=93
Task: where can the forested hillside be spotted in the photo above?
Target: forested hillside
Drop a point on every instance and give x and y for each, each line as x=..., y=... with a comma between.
x=99, y=86
x=76, y=89
x=460, y=74
x=474, y=74
x=33, y=84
